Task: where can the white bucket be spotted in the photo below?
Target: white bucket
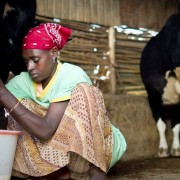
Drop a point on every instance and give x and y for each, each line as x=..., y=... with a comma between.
x=8, y=142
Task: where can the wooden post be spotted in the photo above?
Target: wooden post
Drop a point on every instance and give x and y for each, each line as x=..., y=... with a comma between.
x=112, y=79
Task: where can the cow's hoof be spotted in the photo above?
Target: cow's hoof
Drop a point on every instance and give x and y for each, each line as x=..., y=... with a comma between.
x=175, y=152
x=163, y=153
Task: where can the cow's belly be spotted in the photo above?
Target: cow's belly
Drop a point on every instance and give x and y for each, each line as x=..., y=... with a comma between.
x=171, y=93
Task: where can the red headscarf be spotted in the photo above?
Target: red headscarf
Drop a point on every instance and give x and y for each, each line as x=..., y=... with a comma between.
x=46, y=36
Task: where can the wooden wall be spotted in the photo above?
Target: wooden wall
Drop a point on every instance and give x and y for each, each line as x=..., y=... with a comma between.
x=150, y=14
x=104, y=12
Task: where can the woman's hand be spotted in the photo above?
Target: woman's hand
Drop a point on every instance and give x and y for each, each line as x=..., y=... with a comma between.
x=3, y=92
x=1, y=84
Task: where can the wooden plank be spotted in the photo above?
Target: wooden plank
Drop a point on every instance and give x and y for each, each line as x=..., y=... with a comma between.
x=112, y=13
x=116, y=14
x=126, y=51
x=130, y=44
x=94, y=13
x=49, y=7
x=41, y=6
x=53, y=8
x=100, y=8
x=129, y=58
x=64, y=9
x=87, y=11
x=112, y=60
x=107, y=16
x=80, y=12
x=73, y=7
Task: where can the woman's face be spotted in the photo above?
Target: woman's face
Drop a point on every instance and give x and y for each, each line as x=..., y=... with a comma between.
x=39, y=64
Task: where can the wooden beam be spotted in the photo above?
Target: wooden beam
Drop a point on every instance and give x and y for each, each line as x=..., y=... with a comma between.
x=112, y=60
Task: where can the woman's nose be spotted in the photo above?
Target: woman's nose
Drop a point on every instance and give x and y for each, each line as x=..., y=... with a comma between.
x=30, y=65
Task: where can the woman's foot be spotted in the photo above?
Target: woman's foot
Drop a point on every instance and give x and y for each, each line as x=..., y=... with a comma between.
x=97, y=174
x=62, y=173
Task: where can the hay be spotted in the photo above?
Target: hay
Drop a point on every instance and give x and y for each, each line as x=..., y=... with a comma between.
x=132, y=115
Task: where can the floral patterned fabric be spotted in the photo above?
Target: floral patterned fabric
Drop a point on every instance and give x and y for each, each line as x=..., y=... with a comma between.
x=84, y=136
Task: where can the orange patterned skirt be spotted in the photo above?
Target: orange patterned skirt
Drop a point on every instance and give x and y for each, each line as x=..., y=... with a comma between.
x=83, y=137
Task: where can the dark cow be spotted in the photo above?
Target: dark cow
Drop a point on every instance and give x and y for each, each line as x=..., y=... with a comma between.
x=160, y=72
x=16, y=17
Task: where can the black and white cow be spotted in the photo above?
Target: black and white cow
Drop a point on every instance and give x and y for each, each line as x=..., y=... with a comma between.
x=16, y=17
x=160, y=72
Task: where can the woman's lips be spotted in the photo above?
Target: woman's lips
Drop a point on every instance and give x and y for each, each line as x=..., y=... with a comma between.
x=34, y=75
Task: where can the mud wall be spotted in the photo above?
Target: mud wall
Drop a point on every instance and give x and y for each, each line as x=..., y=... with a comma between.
x=132, y=115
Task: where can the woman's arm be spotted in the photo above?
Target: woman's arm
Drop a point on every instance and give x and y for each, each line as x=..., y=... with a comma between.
x=42, y=128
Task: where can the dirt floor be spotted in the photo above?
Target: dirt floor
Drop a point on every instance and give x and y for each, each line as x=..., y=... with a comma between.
x=147, y=169
x=144, y=169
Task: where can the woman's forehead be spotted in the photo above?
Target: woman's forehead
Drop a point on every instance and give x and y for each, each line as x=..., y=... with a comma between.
x=34, y=52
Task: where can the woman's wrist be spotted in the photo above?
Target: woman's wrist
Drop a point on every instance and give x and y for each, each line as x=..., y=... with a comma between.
x=7, y=99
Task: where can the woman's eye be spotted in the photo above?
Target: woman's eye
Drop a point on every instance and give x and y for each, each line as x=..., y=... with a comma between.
x=36, y=60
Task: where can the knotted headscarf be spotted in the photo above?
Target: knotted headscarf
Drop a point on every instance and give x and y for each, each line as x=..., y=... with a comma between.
x=46, y=36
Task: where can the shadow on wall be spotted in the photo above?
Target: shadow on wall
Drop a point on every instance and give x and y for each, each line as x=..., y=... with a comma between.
x=132, y=115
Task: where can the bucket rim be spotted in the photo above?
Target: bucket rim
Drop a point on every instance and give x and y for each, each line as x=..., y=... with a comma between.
x=13, y=132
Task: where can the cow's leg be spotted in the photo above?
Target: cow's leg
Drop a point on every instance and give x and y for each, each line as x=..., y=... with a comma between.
x=175, y=149
x=158, y=112
x=175, y=126
x=163, y=146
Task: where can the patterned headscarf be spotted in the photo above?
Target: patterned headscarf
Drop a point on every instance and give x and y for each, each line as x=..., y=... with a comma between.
x=46, y=36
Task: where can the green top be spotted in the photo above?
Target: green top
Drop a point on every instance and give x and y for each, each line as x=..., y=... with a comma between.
x=66, y=77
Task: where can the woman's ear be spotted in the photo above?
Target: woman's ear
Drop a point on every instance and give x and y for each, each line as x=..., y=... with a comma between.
x=54, y=52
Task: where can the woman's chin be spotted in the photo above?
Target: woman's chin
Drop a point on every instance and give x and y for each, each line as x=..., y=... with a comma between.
x=36, y=80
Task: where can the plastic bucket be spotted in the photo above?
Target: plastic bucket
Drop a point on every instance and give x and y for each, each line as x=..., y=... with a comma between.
x=8, y=142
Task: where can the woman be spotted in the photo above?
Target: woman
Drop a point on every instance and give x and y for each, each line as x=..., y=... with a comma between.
x=62, y=116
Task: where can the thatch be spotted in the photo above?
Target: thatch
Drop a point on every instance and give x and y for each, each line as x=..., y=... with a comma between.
x=132, y=115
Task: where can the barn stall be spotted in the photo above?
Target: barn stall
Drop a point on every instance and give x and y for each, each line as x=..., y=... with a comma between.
x=107, y=41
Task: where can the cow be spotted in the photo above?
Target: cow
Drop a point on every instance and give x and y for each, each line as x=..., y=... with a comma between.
x=16, y=17
x=160, y=73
